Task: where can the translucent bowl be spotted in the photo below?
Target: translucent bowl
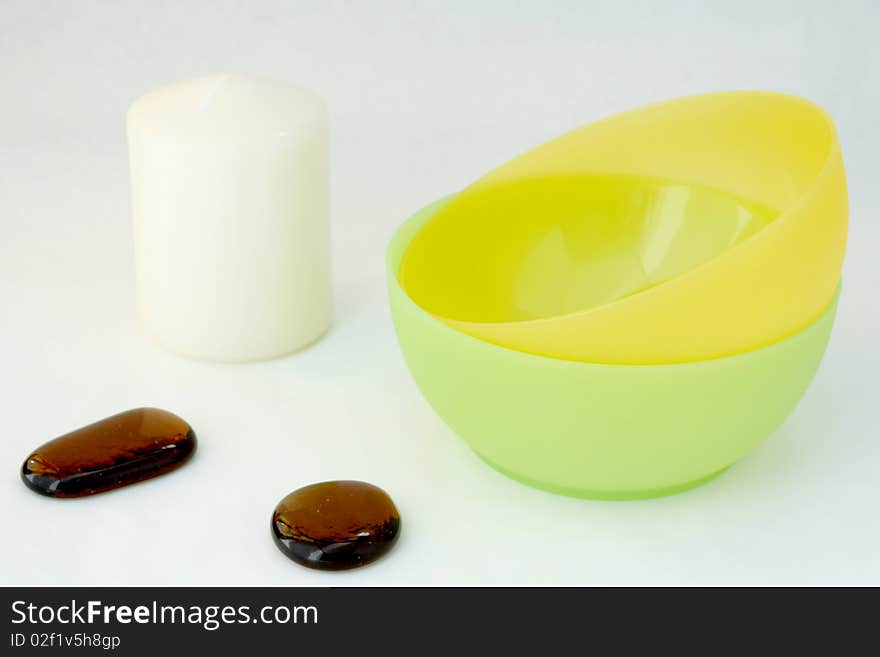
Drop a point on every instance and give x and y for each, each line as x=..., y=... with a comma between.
x=593, y=430
x=689, y=230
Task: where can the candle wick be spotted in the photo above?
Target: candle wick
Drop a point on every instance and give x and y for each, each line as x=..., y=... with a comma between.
x=210, y=95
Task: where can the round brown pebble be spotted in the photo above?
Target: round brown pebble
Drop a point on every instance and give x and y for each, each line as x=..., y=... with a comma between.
x=336, y=525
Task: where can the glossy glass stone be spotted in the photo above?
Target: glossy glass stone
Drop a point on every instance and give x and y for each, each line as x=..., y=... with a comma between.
x=119, y=450
x=336, y=525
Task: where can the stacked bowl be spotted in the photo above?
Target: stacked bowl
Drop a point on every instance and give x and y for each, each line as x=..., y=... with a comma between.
x=627, y=310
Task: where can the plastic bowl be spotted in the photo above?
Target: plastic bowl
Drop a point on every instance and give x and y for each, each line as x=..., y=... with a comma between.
x=600, y=431
x=689, y=230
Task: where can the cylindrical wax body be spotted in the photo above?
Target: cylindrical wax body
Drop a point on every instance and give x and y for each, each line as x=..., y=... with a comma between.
x=229, y=181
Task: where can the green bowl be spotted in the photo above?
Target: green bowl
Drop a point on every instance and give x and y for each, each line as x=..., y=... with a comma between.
x=600, y=431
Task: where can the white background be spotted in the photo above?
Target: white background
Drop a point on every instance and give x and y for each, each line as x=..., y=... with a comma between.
x=424, y=97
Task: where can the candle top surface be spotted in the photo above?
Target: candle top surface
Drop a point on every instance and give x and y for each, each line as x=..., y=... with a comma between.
x=227, y=106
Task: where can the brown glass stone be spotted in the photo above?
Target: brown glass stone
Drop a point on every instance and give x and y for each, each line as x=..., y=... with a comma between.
x=336, y=525
x=113, y=452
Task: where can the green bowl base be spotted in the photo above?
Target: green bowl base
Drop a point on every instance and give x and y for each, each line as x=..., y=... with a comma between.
x=601, y=494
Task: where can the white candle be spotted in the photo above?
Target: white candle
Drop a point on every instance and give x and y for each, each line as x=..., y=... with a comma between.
x=229, y=182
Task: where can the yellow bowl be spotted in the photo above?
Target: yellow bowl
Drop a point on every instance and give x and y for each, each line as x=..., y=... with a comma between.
x=688, y=230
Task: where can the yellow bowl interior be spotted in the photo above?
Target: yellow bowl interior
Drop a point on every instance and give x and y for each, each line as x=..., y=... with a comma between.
x=552, y=246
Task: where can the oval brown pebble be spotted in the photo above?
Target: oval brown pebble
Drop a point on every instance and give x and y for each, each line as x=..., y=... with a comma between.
x=336, y=525
x=119, y=450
